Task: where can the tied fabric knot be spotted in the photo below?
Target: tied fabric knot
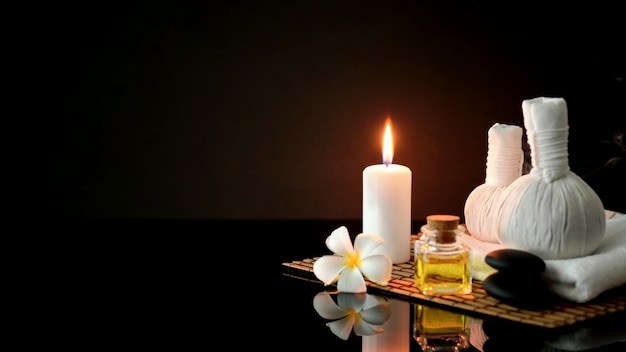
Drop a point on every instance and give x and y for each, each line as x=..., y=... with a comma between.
x=550, y=157
x=504, y=163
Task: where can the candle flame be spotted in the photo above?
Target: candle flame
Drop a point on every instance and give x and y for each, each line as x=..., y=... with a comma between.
x=387, y=145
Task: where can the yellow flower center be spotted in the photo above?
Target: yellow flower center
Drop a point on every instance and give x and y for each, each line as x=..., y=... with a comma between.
x=353, y=260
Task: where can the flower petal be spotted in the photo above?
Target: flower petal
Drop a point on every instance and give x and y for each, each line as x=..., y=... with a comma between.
x=352, y=301
x=377, y=268
x=328, y=268
x=378, y=314
x=351, y=280
x=373, y=300
x=365, y=243
x=326, y=307
x=362, y=328
x=342, y=327
x=339, y=242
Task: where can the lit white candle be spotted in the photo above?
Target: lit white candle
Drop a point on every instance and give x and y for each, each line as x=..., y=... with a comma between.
x=387, y=203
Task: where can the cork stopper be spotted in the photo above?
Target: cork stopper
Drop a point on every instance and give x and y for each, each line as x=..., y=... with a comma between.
x=445, y=225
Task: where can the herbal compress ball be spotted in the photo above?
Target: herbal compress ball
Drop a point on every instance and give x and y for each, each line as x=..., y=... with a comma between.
x=550, y=211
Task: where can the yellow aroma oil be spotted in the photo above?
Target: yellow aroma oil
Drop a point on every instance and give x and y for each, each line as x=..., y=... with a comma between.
x=436, y=329
x=442, y=262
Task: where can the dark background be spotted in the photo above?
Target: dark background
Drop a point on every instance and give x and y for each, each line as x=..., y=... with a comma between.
x=272, y=109
x=230, y=117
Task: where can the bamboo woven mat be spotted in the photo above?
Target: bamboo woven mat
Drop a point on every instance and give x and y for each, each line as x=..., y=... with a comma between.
x=560, y=313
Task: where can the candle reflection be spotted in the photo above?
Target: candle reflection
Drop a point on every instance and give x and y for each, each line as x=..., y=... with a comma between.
x=397, y=334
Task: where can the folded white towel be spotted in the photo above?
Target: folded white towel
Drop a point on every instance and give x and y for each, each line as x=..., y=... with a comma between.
x=582, y=279
x=577, y=279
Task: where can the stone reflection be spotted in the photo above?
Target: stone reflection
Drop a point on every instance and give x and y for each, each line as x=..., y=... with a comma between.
x=606, y=334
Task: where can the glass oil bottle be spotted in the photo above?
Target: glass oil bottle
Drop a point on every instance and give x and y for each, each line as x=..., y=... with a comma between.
x=440, y=330
x=442, y=262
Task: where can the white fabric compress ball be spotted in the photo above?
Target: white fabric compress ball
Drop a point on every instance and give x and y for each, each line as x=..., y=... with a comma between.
x=550, y=211
x=505, y=158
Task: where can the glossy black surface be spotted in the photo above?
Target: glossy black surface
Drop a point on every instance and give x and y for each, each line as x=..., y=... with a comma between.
x=206, y=284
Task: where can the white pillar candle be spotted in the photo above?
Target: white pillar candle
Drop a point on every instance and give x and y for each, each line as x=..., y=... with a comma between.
x=387, y=204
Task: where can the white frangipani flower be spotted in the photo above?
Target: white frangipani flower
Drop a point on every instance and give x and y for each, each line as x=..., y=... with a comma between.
x=349, y=264
x=361, y=311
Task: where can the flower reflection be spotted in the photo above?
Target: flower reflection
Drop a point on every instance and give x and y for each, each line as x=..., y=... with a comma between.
x=363, y=312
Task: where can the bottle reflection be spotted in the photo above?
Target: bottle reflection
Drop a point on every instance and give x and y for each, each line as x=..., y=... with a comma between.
x=437, y=329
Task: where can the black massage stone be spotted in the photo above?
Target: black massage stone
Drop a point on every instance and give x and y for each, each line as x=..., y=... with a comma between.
x=514, y=260
x=529, y=292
